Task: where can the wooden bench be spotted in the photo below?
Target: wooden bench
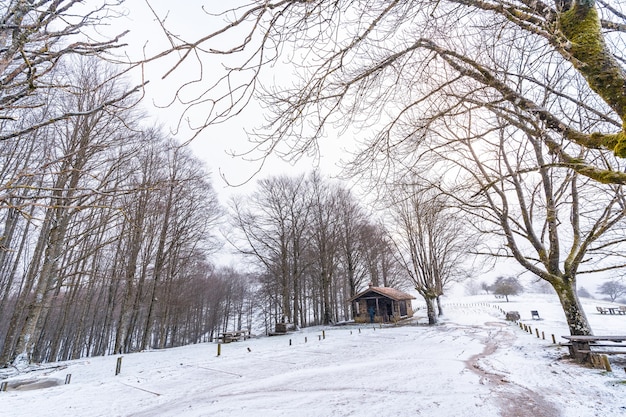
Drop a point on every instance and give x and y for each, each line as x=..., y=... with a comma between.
x=583, y=347
x=535, y=315
x=234, y=336
x=602, y=310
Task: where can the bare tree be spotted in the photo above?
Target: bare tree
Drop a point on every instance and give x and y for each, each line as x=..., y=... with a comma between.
x=430, y=241
x=36, y=39
x=325, y=242
x=272, y=223
x=555, y=223
x=614, y=289
x=366, y=56
x=352, y=222
x=507, y=286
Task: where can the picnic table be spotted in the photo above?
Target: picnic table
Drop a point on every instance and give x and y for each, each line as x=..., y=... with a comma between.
x=581, y=347
x=611, y=310
x=233, y=336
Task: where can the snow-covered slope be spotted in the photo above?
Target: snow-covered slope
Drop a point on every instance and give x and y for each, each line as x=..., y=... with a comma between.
x=473, y=364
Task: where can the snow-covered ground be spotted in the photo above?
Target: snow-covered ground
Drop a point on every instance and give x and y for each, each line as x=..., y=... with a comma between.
x=473, y=364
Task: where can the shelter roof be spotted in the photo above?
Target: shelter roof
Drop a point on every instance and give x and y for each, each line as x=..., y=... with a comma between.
x=388, y=292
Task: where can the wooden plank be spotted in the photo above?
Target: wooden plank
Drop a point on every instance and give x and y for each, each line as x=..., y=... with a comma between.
x=611, y=338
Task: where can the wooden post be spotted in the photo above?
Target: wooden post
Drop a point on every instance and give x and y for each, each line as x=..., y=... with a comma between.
x=118, y=366
x=543, y=336
x=289, y=342
x=323, y=334
x=3, y=386
x=553, y=339
x=305, y=339
x=537, y=332
x=219, y=349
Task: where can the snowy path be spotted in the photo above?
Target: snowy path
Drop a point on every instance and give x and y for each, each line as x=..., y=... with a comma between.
x=514, y=400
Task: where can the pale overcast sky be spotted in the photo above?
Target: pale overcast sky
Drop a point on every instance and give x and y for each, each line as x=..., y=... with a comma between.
x=215, y=143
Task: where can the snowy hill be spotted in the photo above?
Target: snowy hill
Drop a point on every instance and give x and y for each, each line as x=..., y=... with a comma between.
x=473, y=364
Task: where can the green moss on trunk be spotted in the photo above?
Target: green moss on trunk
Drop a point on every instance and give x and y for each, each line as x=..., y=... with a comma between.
x=574, y=313
x=581, y=26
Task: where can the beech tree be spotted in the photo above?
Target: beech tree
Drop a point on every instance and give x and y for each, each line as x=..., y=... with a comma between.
x=272, y=224
x=554, y=222
x=431, y=241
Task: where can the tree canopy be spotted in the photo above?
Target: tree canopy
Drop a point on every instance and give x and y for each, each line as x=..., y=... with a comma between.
x=391, y=67
x=522, y=100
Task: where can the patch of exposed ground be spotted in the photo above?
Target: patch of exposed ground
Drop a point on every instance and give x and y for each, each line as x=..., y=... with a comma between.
x=32, y=384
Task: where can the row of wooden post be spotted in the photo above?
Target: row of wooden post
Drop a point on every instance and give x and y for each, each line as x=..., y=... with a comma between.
x=320, y=337
x=529, y=329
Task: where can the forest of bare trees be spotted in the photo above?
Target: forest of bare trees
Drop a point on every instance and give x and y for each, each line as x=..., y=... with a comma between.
x=106, y=227
x=107, y=224
x=520, y=103
x=313, y=246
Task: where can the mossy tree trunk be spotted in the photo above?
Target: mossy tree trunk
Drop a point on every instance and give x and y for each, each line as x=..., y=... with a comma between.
x=587, y=51
x=574, y=313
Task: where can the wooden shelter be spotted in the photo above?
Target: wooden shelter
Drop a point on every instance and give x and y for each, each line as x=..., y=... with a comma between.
x=381, y=305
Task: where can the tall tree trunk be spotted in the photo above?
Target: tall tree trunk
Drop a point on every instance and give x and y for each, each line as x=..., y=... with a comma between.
x=23, y=298
x=430, y=309
x=42, y=296
x=159, y=265
x=123, y=324
x=574, y=313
